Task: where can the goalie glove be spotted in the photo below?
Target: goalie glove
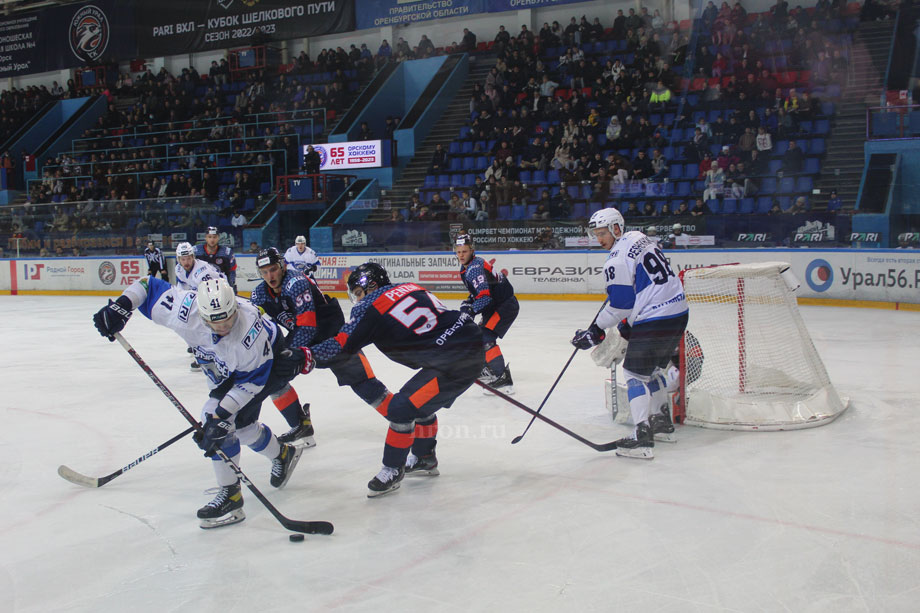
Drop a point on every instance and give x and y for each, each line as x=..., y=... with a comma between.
x=585, y=339
x=610, y=352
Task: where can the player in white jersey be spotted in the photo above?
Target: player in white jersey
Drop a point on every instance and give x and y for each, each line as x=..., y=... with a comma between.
x=301, y=258
x=190, y=271
x=243, y=355
x=643, y=292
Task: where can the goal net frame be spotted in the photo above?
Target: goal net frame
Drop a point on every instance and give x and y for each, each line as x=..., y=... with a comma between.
x=747, y=361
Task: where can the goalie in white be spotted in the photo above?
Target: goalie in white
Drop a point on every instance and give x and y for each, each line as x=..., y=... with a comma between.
x=644, y=291
x=301, y=258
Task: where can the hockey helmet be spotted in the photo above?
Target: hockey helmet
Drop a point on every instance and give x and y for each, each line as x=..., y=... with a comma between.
x=184, y=249
x=365, y=275
x=268, y=257
x=607, y=218
x=463, y=239
x=216, y=304
x=212, y=230
x=300, y=240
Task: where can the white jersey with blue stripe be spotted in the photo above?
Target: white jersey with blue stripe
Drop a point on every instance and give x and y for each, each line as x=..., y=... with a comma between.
x=641, y=286
x=244, y=355
x=201, y=272
x=304, y=263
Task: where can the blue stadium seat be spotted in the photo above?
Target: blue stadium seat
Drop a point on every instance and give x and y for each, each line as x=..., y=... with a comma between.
x=763, y=205
x=526, y=176
x=518, y=212
x=454, y=148
x=804, y=184
x=691, y=171
x=768, y=186
x=675, y=171
x=430, y=181
x=729, y=206
x=822, y=126
x=817, y=146
x=787, y=185
x=552, y=177
x=746, y=206
x=443, y=180
x=456, y=164
x=469, y=163
x=579, y=210
x=539, y=176
x=812, y=166
x=466, y=147
x=504, y=212
x=885, y=124
x=683, y=188
x=774, y=166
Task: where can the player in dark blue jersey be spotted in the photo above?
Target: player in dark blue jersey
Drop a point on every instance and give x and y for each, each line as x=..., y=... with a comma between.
x=221, y=257
x=491, y=296
x=297, y=304
x=411, y=327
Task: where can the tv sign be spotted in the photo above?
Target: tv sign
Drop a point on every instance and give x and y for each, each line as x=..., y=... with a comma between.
x=347, y=155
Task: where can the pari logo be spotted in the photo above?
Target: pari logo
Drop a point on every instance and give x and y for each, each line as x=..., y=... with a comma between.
x=89, y=33
x=819, y=275
x=32, y=272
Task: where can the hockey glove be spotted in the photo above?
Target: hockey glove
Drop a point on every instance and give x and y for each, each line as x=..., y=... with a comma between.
x=467, y=307
x=214, y=431
x=624, y=329
x=585, y=339
x=294, y=361
x=113, y=317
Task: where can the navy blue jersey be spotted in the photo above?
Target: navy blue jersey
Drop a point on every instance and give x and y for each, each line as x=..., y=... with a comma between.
x=410, y=326
x=487, y=287
x=301, y=308
x=222, y=259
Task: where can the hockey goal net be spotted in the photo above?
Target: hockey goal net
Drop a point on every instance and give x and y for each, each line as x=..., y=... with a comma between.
x=747, y=361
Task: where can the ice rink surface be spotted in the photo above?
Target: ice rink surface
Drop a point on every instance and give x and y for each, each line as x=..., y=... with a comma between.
x=826, y=519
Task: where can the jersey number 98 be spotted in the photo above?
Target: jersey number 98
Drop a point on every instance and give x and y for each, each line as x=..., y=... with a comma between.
x=657, y=267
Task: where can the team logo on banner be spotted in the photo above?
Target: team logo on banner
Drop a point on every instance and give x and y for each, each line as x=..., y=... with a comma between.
x=323, y=154
x=89, y=33
x=819, y=275
x=225, y=4
x=107, y=273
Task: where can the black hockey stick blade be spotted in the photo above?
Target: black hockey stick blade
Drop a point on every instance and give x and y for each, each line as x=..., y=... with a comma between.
x=80, y=479
x=596, y=446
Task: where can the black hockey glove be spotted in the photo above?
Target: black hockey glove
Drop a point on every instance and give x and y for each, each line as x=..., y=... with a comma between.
x=113, y=317
x=624, y=329
x=215, y=431
x=467, y=307
x=294, y=361
x=585, y=339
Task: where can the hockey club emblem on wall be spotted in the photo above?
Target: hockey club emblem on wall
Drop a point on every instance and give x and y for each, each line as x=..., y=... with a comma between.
x=107, y=273
x=323, y=154
x=89, y=33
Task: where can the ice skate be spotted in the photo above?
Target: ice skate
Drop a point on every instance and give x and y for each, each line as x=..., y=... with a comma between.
x=486, y=376
x=425, y=465
x=225, y=509
x=662, y=426
x=640, y=445
x=284, y=464
x=301, y=435
x=386, y=481
x=502, y=383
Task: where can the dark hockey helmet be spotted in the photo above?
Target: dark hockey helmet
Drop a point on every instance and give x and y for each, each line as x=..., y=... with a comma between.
x=463, y=239
x=268, y=256
x=365, y=275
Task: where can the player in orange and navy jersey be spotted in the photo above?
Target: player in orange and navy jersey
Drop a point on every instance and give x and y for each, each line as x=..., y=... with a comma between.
x=411, y=327
x=296, y=303
x=492, y=296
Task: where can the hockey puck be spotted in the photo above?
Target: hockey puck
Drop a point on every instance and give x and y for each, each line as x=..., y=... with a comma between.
x=295, y=538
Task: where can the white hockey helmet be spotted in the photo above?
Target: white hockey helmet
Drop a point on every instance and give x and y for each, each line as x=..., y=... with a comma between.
x=184, y=249
x=216, y=301
x=300, y=240
x=607, y=218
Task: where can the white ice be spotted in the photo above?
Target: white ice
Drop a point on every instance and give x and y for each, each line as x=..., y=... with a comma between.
x=826, y=519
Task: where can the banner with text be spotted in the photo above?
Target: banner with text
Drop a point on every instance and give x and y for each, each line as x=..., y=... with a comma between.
x=170, y=27
x=65, y=37
x=383, y=13
x=351, y=154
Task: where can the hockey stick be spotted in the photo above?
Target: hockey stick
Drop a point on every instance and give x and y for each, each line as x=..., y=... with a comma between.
x=595, y=446
x=79, y=479
x=517, y=439
x=309, y=527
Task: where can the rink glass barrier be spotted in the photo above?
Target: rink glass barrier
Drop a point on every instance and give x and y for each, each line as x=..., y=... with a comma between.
x=884, y=278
